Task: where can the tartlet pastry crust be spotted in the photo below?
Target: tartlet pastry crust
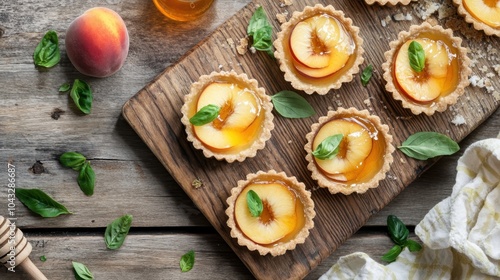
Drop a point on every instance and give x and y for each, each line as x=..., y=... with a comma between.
x=477, y=24
x=279, y=248
x=344, y=187
x=267, y=107
x=298, y=80
x=441, y=103
x=388, y=2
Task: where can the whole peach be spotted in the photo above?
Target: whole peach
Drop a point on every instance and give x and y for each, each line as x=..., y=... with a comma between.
x=97, y=42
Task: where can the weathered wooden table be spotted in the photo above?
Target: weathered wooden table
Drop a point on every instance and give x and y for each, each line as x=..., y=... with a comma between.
x=129, y=177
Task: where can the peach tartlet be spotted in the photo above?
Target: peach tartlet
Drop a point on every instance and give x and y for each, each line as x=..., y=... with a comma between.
x=483, y=14
x=241, y=123
x=443, y=74
x=286, y=217
x=318, y=49
x=362, y=157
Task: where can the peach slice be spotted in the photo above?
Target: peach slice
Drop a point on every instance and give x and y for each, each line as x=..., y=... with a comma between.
x=311, y=40
x=487, y=11
x=239, y=109
x=428, y=84
x=278, y=218
x=355, y=147
x=320, y=47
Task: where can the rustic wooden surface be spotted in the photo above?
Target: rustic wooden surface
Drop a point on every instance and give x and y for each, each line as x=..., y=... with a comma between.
x=129, y=177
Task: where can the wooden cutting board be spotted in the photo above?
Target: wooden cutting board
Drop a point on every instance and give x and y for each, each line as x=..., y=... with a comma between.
x=154, y=113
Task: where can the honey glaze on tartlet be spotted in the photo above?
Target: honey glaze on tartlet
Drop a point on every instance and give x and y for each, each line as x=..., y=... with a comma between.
x=287, y=215
x=243, y=124
x=364, y=155
x=483, y=14
x=443, y=78
x=319, y=49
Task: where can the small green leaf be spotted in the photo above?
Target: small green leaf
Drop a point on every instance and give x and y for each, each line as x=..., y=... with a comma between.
x=416, y=55
x=254, y=203
x=116, y=232
x=413, y=246
x=65, y=87
x=43, y=258
x=47, y=53
x=329, y=147
x=81, y=93
x=291, y=105
x=392, y=254
x=41, y=203
x=205, y=115
x=187, y=261
x=397, y=230
x=261, y=31
x=72, y=160
x=82, y=272
x=366, y=75
x=86, y=179
x=425, y=145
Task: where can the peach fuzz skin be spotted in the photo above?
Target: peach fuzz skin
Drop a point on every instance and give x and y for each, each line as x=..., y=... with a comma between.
x=97, y=42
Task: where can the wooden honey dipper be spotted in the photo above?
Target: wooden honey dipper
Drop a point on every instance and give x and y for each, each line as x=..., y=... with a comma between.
x=22, y=250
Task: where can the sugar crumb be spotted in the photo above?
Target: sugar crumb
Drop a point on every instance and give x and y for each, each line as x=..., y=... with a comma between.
x=242, y=47
x=286, y=3
x=230, y=42
x=458, y=120
x=281, y=17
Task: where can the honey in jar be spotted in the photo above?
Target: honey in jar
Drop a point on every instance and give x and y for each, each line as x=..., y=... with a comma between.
x=183, y=10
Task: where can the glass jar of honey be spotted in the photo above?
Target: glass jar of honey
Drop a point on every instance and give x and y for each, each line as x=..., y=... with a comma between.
x=183, y=10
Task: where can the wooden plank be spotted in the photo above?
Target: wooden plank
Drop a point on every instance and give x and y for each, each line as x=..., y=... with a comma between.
x=157, y=255
x=338, y=216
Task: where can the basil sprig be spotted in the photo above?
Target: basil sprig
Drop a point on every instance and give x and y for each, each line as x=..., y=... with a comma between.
x=116, y=232
x=205, y=115
x=40, y=203
x=81, y=93
x=416, y=55
x=72, y=160
x=82, y=272
x=86, y=179
x=261, y=31
x=399, y=233
x=254, y=203
x=47, y=53
x=187, y=261
x=329, y=147
x=366, y=75
x=86, y=175
x=425, y=145
x=291, y=105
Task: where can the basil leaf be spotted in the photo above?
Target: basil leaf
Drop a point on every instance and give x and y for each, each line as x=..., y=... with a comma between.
x=397, y=230
x=39, y=202
x=392, y=254
x=81, y=93
x=366, y=75
x=329, y=147
x=187, y=261
x=205, y=115
x=116, y=232
x=416, y=55
x=43, y=258
x=47, y=53
x=291, y=105
x=261, y=31
x=86, y=179
x=425, y=145
x=82, y=272
x=254, y=203
x=65, y=87
x=413, y=246
x=72, y=160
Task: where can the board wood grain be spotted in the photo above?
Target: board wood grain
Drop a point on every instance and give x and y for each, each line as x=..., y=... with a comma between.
x=154, y=113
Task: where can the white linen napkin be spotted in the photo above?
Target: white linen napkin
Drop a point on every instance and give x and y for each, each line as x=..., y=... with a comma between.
x=460, y=235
